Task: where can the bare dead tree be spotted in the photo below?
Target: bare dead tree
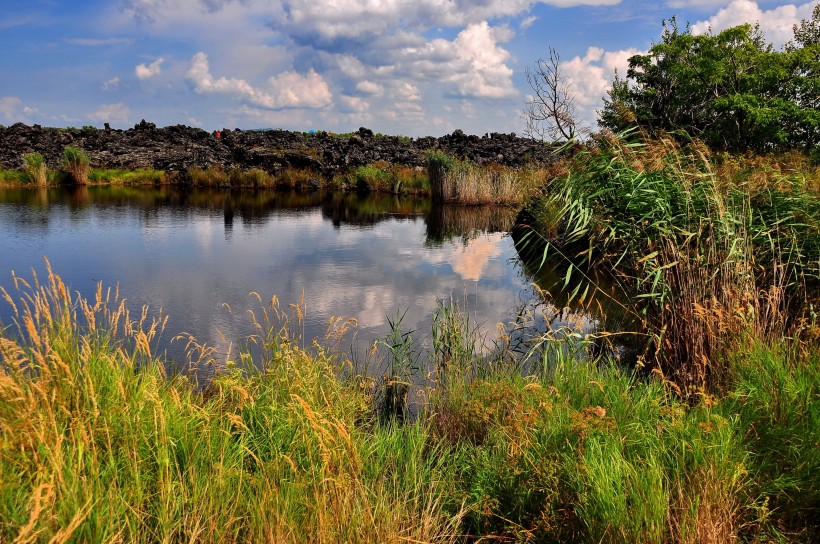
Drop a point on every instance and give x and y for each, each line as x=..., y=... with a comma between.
x=550, y=113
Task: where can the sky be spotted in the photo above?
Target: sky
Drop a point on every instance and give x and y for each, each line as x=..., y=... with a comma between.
x=408, y=67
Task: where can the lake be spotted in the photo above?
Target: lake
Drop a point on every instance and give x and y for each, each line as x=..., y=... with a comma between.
x=200, y=254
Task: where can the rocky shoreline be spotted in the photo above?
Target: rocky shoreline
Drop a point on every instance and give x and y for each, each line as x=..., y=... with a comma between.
x=179, y=148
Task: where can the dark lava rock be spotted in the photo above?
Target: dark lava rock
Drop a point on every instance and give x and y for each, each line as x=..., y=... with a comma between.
x=179, y=147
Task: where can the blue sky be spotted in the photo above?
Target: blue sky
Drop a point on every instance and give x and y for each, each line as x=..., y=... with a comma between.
x=413, y=67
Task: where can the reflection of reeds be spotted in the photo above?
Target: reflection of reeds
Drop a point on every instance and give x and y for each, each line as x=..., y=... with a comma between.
x=445, y=222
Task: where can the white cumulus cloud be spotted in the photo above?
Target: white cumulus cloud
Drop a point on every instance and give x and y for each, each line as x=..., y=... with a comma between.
x=286, y=90
x=775, y=23
x=370, y=88
x=591, y=76
x=143, y=71
x=353, y=19
x=111, y=113
x=295, y=90
x=407, y=92
x=473, y=65
x=353, y=104
x=487, y=75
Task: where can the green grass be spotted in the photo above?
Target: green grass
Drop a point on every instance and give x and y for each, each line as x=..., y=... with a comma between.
x=14, y=178
x=383, y=178
x=97, y=443
x=117, y=450
x=22, y=178
x=35, y=166
x=127, y=177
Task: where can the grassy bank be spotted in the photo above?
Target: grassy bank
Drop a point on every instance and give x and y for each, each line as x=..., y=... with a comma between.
x=445, y=178
x=98, y=444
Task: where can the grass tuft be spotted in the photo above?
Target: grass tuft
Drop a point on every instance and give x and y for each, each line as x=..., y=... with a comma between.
x=35, y=166
x=75, y=163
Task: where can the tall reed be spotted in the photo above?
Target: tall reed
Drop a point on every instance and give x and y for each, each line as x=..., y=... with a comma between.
x=466, y=182
x=704, y=259
x=76, y=164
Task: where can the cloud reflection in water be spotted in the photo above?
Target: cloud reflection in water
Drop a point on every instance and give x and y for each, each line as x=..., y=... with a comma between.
x=194, y=254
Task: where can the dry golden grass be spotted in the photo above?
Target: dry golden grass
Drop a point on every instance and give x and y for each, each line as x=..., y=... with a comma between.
x=472, y=184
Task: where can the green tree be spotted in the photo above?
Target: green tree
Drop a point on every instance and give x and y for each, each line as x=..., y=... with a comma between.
x=731, y=89
x=807, y=32
x=617, y=114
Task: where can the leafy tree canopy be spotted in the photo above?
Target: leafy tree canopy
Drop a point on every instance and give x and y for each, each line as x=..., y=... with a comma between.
x=731, y=89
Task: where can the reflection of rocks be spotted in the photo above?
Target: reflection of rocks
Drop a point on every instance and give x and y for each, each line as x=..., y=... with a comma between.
x=178, y=148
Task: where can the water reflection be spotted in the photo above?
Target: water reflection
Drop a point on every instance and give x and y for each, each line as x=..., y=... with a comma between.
x=443, y=223
x=199, y=254
x=590, y=301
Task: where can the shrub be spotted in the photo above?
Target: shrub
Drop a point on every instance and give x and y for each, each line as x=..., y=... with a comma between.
x=298, y=178
x=252, y=178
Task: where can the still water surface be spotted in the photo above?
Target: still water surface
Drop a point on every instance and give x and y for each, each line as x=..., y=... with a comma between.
x=194, y=254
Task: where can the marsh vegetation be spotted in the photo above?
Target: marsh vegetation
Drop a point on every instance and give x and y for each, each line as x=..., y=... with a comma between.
x=710, y=244
x=99, y=443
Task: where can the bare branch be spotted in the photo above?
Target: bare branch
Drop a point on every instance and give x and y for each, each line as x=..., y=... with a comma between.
x=550, y=113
